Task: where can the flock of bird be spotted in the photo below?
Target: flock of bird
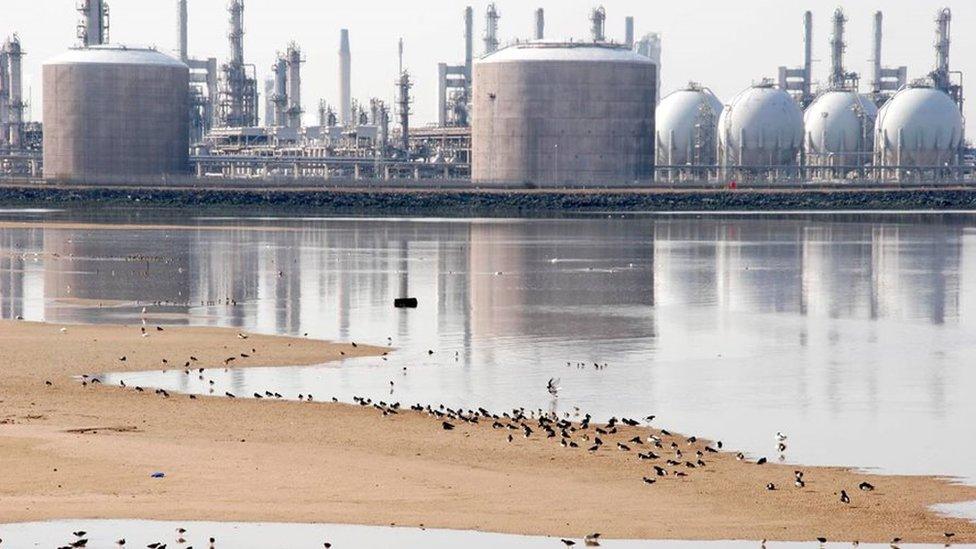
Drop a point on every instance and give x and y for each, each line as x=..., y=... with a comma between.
x=667, y=454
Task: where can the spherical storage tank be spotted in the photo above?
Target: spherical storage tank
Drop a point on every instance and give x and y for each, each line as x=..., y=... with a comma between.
x=566, y=114
x=762, y=126
x=687, y=124
x=112, y=111
x=840, y=129
x=918, y=127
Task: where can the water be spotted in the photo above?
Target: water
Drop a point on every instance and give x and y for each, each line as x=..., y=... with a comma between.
x=853, y=334
x=104, y=533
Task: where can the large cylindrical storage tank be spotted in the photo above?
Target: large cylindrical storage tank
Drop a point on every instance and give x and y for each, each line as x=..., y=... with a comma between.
x=564, y=114
x=113, y=112
x=919, y=127
x=687, y=127
x=761, y=127
x=839, y=128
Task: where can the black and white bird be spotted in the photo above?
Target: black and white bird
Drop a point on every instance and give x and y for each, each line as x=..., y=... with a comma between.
x=553, y=387
x=844, y=498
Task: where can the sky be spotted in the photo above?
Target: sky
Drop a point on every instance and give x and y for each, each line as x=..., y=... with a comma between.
x=723, y=44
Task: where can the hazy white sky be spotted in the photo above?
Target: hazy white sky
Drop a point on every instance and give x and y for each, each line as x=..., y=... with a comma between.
x=724, y=44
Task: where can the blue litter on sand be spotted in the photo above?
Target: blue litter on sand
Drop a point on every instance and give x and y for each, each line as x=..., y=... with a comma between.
x=158, y=475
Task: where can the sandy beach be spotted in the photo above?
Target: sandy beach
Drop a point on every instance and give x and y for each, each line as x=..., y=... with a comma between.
x=74, y=451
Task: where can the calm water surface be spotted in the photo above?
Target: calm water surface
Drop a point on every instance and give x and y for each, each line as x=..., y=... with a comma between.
x=853, y=334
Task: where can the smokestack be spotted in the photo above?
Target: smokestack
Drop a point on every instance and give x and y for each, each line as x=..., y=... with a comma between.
x=4, y=96
x=182, y=34
x=808, y=56
x=876, y=61
x=468, y=43
x=294, y=62
x=629, y=32
x=345, y=79
x=540, y=24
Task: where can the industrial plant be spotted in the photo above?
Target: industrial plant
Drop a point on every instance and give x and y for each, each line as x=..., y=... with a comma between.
x=527, y=112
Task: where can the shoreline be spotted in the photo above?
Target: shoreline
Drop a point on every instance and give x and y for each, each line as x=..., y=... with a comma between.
x=73, y=451
x=497, y=202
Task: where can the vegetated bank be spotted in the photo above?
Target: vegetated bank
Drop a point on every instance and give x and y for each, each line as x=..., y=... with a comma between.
x=461, y=201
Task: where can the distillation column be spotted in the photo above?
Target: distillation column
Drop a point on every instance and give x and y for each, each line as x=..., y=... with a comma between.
x=491, y=29
x=93, y=30
x=14, y=55
x=293, y=58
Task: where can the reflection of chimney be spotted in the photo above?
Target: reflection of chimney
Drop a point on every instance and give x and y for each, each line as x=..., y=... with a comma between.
x=182, y=40
x=540, y=24
x=345, y=79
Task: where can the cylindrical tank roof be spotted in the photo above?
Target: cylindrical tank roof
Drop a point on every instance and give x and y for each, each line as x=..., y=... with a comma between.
x=115, y=54
x=542, y=50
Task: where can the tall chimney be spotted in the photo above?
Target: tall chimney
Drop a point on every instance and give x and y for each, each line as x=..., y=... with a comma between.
x=345, y=79
x=540, y=24
x=279, y=97
x=838, y=76
x=808, y=56
x=629, y=32
x=4, y=96
x=468, y=43
x=182, y=34
x=876, y=59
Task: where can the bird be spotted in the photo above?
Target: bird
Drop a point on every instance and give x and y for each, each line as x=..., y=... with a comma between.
x=822, y=540
x=120, y=542
x=844, y=498
x=79, y=534
x=770, y=486
x=761, y=461
x=780, y=437
x=949, y=535
x=648, y=480
x=866, y=486
x=447, y=426
x=568, y=542
x=592, y=540
x=553, y=387
x=799, y=483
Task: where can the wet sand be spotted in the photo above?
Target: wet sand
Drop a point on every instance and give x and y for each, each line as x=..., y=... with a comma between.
x=73, y=451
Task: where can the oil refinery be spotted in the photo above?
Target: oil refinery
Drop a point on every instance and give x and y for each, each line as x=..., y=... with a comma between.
x=526, y=112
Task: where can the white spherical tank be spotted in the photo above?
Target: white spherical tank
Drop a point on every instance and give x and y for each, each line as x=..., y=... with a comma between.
x=840, y=129
x=687, y=125
x=918, y=127
x=762, y=126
